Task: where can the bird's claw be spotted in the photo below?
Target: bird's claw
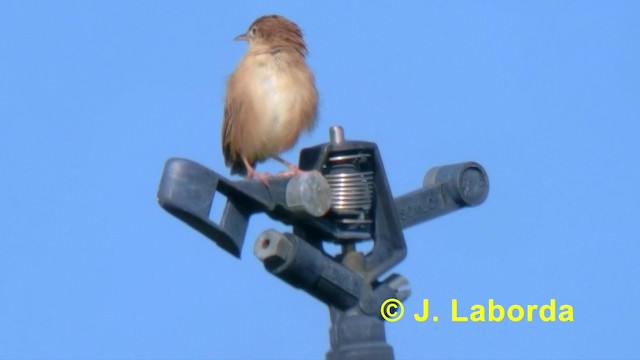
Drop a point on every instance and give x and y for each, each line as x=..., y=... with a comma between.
x=293, y=171
x=263, y=177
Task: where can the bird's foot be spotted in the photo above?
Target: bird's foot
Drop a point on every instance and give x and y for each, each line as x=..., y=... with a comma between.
x=263, y=177
x=293, y=171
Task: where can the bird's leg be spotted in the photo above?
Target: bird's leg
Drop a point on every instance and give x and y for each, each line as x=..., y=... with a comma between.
x=252, y=173
x=293, y=170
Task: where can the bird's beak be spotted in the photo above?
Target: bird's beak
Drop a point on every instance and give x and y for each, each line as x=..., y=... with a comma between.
x=242, y=37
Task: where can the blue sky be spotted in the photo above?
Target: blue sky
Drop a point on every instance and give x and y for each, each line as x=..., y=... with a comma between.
x=95, y=96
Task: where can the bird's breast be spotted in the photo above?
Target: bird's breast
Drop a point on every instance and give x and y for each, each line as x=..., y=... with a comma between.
x=276, y=90
x=273, y=91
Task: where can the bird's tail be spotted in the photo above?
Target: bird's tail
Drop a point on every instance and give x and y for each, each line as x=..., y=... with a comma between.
x=237, y=167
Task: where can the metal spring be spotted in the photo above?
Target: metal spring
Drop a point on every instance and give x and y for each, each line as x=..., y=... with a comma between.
x=351, y=188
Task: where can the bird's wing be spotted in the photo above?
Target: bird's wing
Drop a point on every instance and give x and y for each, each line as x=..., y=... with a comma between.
x=227, y=128
x=230, y=148
x=232, y=107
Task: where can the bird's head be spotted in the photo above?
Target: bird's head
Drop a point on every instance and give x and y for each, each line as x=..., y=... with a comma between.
x=273, y=32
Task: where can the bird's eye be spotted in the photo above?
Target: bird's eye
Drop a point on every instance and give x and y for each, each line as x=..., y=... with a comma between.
x=253, y=31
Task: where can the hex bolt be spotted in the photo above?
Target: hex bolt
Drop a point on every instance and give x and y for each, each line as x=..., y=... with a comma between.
x=272, y=248
x=308, y=194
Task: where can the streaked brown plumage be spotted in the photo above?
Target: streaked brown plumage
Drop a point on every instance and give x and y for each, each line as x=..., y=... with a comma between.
x=271, y=96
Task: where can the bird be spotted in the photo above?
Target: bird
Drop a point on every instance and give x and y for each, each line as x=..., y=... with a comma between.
x=270, y=99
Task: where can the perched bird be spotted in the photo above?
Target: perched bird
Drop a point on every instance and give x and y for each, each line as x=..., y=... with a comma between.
x=271, y=97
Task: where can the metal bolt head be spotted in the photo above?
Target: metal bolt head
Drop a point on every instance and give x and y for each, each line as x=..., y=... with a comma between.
x=272, y=248
x=309, y=194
